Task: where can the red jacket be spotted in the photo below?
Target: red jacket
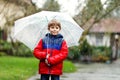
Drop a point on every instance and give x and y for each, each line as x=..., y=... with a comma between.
x=58, y=50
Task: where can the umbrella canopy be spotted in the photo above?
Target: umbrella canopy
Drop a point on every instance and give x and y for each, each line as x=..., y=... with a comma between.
x=29, y=30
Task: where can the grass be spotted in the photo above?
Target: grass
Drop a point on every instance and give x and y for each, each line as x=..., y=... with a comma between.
x=69, y=67
x=17, y=68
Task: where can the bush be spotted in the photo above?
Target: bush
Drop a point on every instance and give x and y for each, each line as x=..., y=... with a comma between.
x=76, y=52
x=102, y=50
x=19, y=49
x=73, y=53
x=101, y=53
x=85, y=48
x=2, y=53
x=5, y=47
x=14, y=49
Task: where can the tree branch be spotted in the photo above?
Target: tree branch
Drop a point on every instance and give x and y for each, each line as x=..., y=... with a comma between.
x=4, y=7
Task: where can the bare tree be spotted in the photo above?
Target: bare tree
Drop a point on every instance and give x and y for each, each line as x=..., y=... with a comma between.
x=93, y=12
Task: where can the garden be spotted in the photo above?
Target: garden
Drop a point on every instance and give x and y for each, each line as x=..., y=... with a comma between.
x=87, y=53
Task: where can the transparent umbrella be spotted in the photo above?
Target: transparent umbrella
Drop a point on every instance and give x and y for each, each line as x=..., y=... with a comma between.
x=29, y=30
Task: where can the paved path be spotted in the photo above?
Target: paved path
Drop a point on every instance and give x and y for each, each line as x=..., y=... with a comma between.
x=95, y=71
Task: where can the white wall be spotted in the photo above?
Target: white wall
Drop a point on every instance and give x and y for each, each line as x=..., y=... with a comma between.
x=98, y=40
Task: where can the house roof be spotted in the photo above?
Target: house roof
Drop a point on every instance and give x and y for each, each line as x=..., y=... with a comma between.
x=107, y=25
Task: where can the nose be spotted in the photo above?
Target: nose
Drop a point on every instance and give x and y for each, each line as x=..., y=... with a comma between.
x=54, y=28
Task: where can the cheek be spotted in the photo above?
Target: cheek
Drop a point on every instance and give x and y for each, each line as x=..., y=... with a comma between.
x=58, y=30
x=51, y=30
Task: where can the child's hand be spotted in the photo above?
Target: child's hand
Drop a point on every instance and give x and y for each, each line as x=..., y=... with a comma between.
x=46, y=60
x=48, y=55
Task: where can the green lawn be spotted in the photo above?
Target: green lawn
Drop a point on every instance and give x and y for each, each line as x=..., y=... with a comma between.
x=69, y=67
x=17, y=68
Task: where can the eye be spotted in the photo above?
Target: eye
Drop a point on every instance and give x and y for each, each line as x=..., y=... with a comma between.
x=52, y=27
x=57, y=27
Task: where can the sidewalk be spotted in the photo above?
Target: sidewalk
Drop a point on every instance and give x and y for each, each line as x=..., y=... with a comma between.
x=92, y=71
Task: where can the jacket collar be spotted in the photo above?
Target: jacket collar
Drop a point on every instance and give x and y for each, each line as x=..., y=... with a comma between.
x=54, y=36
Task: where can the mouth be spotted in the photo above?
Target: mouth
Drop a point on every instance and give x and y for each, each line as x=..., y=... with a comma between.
x=54, y=33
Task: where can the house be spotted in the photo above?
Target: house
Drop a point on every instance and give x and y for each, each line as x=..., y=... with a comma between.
x=106, y=33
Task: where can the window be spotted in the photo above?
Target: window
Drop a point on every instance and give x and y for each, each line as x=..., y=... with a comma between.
x=99, y=39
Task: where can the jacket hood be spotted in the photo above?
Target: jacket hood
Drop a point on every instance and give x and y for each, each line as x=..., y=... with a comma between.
x=55, y=36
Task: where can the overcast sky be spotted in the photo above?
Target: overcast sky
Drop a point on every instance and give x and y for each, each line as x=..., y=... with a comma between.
x=68, y=6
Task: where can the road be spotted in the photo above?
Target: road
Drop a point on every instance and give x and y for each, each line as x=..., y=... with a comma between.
x=95, y=71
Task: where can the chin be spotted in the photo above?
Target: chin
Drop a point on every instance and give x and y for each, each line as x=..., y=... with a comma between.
x=54, y=34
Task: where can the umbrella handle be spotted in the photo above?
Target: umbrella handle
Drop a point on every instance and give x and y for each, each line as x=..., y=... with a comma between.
x=47, y=44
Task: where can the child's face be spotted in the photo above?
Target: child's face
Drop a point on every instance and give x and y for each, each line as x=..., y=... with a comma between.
x=54, y=30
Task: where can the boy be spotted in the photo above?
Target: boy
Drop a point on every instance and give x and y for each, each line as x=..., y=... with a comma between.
x=52, y=50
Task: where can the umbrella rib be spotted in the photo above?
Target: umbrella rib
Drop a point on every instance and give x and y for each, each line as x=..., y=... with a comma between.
x=41, y=33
